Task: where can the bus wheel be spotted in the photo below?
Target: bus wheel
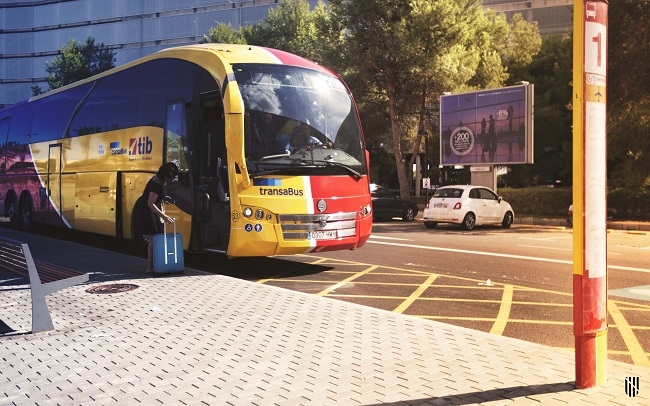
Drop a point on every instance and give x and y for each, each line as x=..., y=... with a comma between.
x=26, y=213
x=11, y=210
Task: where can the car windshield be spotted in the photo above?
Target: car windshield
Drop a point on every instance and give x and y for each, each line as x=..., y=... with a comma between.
x=449, y=192
x=298, y=120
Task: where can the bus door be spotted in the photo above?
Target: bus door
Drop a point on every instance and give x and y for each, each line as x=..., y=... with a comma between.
x=213, y=196
x=53, y=185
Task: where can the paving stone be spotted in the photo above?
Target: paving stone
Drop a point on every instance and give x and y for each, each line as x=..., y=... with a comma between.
x=210, y=339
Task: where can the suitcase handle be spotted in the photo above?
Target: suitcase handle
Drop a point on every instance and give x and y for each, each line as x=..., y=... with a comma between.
x=165, y=241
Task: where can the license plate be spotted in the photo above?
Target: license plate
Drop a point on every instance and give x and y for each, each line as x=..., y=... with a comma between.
x=440, y=206
x=322, y=235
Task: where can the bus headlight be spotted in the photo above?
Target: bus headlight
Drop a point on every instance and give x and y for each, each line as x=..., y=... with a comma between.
x=259, y=214
x=365, y=210
x=248, y=212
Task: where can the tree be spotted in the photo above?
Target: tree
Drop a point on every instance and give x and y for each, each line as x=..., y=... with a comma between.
x=224, y=34
x=77, y=61
x=409, y=52
x=397, y=56
x=628, y=85
x=551, y=73
x=521, y=46
x=290, y=27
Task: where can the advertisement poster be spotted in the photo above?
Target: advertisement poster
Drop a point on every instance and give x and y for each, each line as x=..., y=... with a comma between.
x=487, y=127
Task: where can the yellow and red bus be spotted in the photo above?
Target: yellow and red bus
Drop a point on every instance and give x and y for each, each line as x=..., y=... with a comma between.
x=269, y=145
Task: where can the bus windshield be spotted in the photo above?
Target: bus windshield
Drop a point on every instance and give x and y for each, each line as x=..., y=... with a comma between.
x=298, y=118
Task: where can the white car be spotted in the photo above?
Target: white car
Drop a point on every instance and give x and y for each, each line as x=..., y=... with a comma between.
x=467, y=206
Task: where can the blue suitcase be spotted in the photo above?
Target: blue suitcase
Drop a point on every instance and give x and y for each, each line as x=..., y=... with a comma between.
x=168, y=253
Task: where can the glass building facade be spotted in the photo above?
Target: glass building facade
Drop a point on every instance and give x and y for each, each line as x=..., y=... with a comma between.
x=552, y=16
x=33, y=31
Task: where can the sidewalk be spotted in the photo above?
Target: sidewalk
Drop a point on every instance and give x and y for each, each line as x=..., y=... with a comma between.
x=624, y=225
x=202, y=338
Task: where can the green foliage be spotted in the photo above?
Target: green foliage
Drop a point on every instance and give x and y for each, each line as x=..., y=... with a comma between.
x=78, y=61
x=398, y=56
x=290, y=27
x=523, y=43
x=622, y=202
x=541, y=201
x=36, y=90
x=551, y=73
x=629, y=202
x=224, y=34
x=409, y=52
x=628, y=84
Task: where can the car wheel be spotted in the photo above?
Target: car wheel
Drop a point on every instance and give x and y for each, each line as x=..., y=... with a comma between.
x=469, y=221
x=507, y=220
x=430, y=224
x=409, y=214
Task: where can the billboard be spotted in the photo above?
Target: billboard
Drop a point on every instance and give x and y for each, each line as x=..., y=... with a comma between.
x=487, y=127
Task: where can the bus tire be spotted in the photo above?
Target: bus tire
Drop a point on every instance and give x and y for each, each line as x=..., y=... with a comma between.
x=12, y=210
x=26, y=212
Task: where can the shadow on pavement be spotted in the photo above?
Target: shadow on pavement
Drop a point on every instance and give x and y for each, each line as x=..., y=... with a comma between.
x=471, y=398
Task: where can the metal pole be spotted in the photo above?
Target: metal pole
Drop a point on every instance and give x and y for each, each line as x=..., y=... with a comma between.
x=590, y=192
x=426, y=165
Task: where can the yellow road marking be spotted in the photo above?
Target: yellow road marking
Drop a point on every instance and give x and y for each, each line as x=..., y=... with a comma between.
x=344, y=281
x=415, y=295
x=636, y=350
x=504, y=311
x=616, y=352
x=433, y=299
x=492, y=320
x=356, y=283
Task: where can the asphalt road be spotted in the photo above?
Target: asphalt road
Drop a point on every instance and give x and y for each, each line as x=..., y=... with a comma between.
x=515, y=282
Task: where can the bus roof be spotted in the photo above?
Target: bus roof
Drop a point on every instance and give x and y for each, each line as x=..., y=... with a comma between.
x=202, y=53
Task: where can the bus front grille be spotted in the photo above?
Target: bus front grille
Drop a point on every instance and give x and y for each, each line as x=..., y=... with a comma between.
x=317, y=226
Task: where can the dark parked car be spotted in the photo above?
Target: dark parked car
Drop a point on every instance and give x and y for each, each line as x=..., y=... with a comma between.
x=386, y=205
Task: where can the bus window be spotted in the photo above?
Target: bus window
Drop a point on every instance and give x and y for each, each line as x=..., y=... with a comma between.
x=212, y=135
x=109, y=106
x=176, y=134
x=53, y=114
x=176, y=146
x=285, y=104
x=163, y=80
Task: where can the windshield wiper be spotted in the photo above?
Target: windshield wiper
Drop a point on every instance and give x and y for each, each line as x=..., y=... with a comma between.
x=348, y=168
x=299, y=164
x=269, y=157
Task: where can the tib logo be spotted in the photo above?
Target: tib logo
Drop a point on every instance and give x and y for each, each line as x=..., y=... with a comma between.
x=632, y=386
x=140, y=145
